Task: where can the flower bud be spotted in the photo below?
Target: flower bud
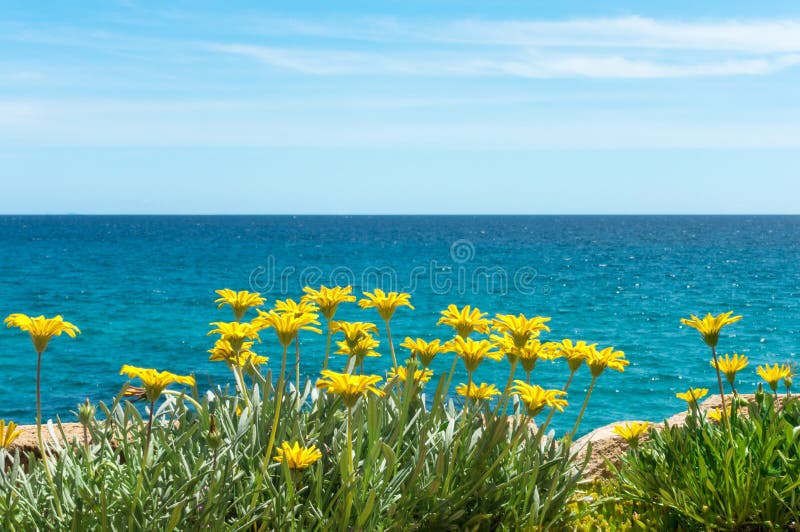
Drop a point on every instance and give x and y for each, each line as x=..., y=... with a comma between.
x=86, y=413
x=213, y=438
x=759, y=393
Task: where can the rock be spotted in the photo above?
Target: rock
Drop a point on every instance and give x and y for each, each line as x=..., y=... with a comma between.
x=27, y=442
x=607, y=445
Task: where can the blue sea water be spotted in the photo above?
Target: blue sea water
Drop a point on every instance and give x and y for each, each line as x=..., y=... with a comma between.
x=141, y=288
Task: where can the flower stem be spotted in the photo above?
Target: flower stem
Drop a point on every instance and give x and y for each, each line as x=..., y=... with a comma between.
x=725, y=419
x=140, y=476
x=297, y=369
x=327, y=346
x=351, y=473
x=278, y=401
x=569, y=380
x=583, y=409
x=469, y=392
x=39, y=433
x=503, y=403
x=391, y=344
x=450, y=374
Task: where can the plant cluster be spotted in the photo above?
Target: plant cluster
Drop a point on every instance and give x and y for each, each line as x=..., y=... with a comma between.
x=353, y=450
x=731, y=468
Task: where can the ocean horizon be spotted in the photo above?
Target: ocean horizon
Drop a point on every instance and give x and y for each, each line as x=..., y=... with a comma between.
x=141, y=288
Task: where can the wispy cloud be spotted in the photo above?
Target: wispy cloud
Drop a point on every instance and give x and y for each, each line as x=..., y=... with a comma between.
x=748, y=36
x=627, y=47
x=515, y=63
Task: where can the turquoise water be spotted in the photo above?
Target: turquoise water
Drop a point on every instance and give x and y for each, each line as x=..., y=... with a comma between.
x=142, y=288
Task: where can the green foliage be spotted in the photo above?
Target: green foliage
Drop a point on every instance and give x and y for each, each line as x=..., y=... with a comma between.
x=598, y=506
x=702, y=478
x=417, y=467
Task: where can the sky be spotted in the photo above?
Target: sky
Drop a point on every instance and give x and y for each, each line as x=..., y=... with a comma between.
x=401, y=107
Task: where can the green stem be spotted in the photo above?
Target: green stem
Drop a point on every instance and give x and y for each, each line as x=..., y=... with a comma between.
x=391, y=344
x=450, y=375
x=583, y=409
x=297, y=369
x=278, y=401
x=467, y=398
x=327, y=346
x=569, y=380
x=503, y=403
x=725, y=416
x=42, y=449
x=350, y=470
x=140, y=476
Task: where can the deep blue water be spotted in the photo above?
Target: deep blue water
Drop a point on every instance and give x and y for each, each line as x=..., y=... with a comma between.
x=142, y=290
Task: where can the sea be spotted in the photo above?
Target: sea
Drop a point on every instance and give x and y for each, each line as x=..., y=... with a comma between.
x=141, y=289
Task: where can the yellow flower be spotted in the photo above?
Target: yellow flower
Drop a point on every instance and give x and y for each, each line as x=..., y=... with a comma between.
x=773, y=374
x=730, y=366
x=534, y=350
x=692, y=395
x=353, y=330
x=385, y=303
x=234, y=332
x=716, y=414
x=364, y=347
x=575, y=353
x=630, y=432
x=155, y=381
x=421, y=376
x=710, y=326
x=239, y=301
x=253, y=358
x=473, y=352
x=328, y=299
x=505, y=344
x=598, y=361
x=298, y=309
x=287, y=325
x=464, y=321
x=520, y=328
x=8, y=433
x=481, y=392
x=41, y=329
x=349, y=387
x=425, y=351
x=296, y=457
x=224, y=351
x=535, y=398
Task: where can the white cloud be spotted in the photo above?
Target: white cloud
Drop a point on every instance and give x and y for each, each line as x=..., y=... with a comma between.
x=515, y=63
x=748, y=36
x=626, y=47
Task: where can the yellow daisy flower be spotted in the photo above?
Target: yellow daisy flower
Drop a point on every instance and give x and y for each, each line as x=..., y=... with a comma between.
x=239, y=301
x=349, y=387
x=155, y=381
x=328, y=299
x=41, y=329
x=385, y=303
x=480, y=392
x=464, y=321
x=296, y=457
x=710, y=326
x=520, y=328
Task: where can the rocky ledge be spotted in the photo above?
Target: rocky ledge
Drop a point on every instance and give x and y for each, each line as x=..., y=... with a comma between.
x=608, y=446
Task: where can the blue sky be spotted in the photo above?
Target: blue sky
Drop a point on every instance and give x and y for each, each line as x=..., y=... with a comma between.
x=400, y=107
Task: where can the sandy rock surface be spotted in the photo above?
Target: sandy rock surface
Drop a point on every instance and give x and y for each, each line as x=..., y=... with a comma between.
x=607, y=445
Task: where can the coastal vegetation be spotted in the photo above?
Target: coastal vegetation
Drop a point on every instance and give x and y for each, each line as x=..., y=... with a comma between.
x=406, y=450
